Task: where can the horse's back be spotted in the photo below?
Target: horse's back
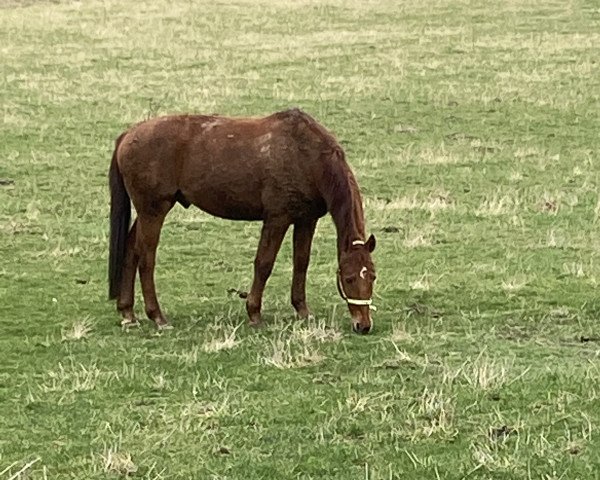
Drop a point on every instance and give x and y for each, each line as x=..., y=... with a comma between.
x=239, y=168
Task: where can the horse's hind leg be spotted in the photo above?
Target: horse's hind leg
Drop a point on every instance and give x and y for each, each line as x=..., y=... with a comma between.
x=303, y=235
x=147, y=236
x=126, y=297
x=271, y=236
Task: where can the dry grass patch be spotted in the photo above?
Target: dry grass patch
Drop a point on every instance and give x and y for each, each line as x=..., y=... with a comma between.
x=368, y=402
x=515, y=176
x=227, y=341
x=597, y=209
x=552, y=241
x=403, y=358
x=22, y=472
x=574, y=269
x=289, y=352
x=497, y=205
x=527, y=152
x=193, y=414
x=434, y=202
x=119, y=463
x=484, y=373
x=317, y=331
x=73, y=378
x=416, y=239
x=432, y=414
x=514, y=284
x=79, y=330
x=489, y=456
x=400, y=335
x=158, y=382
x=437, y=156
x=421, y=283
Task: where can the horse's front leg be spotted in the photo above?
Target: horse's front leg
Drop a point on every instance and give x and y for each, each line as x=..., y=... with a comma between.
x=303, y=235
x=271, y=236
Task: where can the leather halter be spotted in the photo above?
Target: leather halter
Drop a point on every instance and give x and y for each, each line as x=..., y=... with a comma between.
x=353, y=301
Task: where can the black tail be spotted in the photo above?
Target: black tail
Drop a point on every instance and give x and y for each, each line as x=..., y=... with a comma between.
x=120, y=217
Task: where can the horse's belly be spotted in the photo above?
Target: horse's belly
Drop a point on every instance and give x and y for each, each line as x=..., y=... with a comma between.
x=226, y=204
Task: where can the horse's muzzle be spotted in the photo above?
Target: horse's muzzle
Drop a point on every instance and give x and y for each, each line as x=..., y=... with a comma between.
x=362, y=329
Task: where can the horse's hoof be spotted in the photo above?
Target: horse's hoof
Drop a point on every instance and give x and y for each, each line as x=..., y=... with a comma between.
x=128, y=323
x=256, y=323
x=164, y=326
x=305, y=315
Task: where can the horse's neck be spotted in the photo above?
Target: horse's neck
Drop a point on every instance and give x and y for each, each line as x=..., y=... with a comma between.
x=345, y=205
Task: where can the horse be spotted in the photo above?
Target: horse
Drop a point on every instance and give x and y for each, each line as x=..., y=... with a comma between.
x=282, y=169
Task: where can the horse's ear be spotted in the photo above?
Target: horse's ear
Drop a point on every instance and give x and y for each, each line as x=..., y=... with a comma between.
x=371, y=243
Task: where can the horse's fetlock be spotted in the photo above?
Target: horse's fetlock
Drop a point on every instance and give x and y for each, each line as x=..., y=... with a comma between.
x=298, y=303
x=153, y=313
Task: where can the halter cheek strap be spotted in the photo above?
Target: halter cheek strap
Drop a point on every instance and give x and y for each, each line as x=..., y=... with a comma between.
x=353, y=301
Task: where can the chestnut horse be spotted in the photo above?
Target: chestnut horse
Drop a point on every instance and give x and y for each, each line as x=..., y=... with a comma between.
x=284, y=169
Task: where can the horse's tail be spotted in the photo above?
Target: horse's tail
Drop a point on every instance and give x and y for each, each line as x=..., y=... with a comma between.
x=120, y=217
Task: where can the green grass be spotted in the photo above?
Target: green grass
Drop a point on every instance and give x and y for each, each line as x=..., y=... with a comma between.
x=473, y=131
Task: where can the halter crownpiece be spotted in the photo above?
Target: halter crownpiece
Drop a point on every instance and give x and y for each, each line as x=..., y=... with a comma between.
x=358, y=242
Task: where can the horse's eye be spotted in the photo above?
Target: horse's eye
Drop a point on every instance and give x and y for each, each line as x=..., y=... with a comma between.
x=350, y=279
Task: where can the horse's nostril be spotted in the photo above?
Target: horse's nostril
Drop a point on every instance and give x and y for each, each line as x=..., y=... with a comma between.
x=362, y=329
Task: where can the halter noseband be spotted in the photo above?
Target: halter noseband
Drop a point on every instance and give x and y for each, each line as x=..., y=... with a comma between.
x=353, y=301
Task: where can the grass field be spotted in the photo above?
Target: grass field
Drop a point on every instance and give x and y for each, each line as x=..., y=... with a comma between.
x=473, y=129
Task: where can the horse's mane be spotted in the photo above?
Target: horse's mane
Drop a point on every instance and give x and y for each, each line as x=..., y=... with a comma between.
x=342, y=194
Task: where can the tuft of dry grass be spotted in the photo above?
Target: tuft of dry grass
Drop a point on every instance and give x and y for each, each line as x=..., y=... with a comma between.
x=79, y=330
x=432, y=414
x=288, y=353
x=75, y=378
x=119, y=463
x=315, y=331
x=421, y=283
x=416, y=239
x=497, y=205
x=484, y=373
x=514, y=284
x=227, y=341
x=400, y=335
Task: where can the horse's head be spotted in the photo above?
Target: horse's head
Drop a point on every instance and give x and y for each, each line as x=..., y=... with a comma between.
x=355, y=279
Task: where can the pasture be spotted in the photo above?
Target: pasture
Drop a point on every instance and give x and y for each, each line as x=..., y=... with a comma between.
x=473, y=131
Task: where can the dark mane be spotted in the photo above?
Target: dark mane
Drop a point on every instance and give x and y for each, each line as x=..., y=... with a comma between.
x=344, y=202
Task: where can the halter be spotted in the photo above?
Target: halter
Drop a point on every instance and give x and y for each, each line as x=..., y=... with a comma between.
x=353, y=301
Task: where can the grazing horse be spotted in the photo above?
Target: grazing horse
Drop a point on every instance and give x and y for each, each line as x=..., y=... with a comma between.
x=284, y=169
